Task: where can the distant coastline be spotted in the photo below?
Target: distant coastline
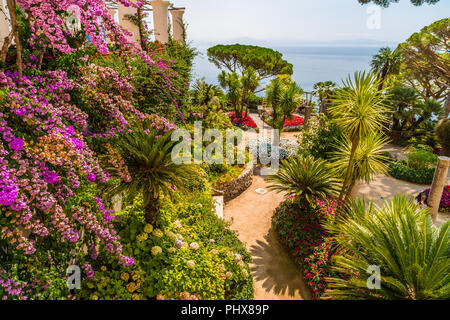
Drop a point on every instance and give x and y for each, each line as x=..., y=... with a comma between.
x=312, y=63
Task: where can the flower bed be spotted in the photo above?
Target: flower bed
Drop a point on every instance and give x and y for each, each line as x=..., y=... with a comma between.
x=245, y=122
x=445, y=200
x=293, y=124
x=300, y=230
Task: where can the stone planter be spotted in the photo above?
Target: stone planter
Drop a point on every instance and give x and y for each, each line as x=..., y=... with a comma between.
x=232, y=189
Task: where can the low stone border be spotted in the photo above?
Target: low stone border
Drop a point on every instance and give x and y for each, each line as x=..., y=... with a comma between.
x=232, y=189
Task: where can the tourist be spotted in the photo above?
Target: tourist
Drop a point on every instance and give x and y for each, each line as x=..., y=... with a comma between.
x=422, y=200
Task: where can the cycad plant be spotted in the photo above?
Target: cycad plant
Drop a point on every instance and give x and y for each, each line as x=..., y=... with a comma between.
x=359, y=108
x=203, y=93
x=147, y=153
x=304, y=178
x=369, y=159
x=412, y=255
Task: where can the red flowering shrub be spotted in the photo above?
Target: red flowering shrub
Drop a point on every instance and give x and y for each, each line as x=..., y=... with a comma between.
x=300, y=230
x=294, y=122
x=245, y=121
x=445, y=200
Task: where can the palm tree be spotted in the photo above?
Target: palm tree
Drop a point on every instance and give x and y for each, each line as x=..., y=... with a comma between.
x=291, y=98
x=147, y=153
x=203, y=93
x=249, y=82
x=324, y=91
x=399, y=238
x=284, y=98
x=273, y=95
x=369, y=160
x=305, y=178
x=359, y=109
x=232, y=83
x=386, y=63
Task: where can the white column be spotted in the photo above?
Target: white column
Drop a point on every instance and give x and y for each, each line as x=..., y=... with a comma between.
x=177, y=24
x=4, y=26
x=127, y=24
x=437, y=188
x=161, y=20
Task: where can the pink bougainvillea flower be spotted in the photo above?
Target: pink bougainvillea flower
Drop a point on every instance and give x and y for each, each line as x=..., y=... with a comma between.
x=16, y=144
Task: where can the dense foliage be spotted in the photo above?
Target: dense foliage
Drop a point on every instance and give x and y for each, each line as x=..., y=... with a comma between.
x=399, y=238
x=190, y=255
x=237, y=58
x=399, y=170
x=387, y=3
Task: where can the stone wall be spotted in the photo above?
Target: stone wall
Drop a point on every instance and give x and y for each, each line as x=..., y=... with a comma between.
x=233, y=189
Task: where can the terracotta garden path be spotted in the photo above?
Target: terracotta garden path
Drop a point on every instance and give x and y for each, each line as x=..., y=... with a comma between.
x=276, y=276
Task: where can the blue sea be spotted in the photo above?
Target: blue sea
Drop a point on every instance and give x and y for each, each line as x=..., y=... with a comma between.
x=311, y=63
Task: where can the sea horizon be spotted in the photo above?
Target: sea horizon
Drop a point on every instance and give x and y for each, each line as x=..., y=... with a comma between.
x=313, y=62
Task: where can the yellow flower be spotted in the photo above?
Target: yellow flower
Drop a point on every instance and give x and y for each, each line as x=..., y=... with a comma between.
x=158, y=233
x=136, y=297
x=190, y=264
x=131, y=287
x=148, y=228
x=94, y=298
x=103, y=268
x=156, y=250
x=125, y=276
x=135, y=277
x=142, y=237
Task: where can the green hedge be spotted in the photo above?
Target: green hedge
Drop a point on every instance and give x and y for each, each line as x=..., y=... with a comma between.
x=399, y=170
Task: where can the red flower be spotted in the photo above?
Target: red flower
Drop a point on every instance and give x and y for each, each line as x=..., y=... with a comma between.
x=245, y=120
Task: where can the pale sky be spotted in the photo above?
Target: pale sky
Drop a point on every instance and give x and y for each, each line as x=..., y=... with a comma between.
x=303, y=20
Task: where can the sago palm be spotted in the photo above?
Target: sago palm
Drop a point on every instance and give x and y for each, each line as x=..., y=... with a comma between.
x=203, y=93
x=305, y=178
x=412, y=255
x=369, y=159
x=359, y=108
x=147, y=153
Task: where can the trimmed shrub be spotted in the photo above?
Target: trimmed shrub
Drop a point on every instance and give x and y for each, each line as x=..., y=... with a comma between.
x=399, y=170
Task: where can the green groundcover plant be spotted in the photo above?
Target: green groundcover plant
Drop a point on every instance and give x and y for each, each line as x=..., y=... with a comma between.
x=188, y=254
